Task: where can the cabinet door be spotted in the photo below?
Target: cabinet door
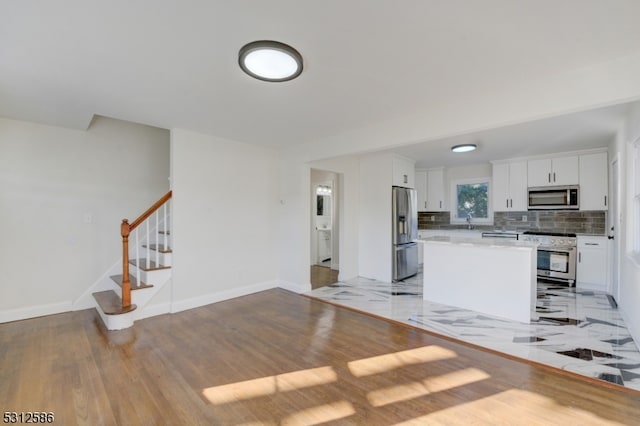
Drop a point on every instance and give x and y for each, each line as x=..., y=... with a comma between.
x=518, y=186
x=565, y=171
x=421, y=189
x=403, y=173
x=594, y=182
x=591, y=269
x=539, y=172
x=435, y=191
x=500, y=187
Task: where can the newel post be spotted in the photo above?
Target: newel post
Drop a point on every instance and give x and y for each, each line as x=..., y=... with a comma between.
x=125, y=229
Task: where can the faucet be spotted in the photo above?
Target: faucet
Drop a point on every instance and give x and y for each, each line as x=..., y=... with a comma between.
x=469, y=226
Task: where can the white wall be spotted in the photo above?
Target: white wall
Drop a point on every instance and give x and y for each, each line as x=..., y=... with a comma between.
x=54, y=180
x=630, y=271
x=293, y=222
x=225, y=211
x=375, y=255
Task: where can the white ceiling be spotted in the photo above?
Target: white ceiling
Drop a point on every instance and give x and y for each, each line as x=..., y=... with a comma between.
x=173, y=64
x=570, y=132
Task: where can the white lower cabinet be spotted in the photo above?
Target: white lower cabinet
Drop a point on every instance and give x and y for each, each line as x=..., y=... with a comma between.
x=592, y=268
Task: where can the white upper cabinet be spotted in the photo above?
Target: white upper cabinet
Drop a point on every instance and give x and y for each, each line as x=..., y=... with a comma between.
x=594, y=182
x=510, y=186
x=435, y=191
x=553, y=171
x=403, y=172
x=421, y=189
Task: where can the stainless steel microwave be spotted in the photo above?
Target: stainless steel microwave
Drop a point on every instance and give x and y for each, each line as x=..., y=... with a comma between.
x=554, y=198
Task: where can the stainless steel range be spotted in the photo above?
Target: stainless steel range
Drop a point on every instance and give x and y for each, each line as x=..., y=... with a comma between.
x=556, y=255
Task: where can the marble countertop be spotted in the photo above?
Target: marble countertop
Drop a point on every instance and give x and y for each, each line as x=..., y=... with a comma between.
x=484, y=242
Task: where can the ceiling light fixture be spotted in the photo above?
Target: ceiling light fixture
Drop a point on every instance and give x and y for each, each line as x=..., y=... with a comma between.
x=269, y=60
x=464, y=147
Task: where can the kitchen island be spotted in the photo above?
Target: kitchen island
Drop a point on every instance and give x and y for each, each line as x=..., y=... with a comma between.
x=493, y=276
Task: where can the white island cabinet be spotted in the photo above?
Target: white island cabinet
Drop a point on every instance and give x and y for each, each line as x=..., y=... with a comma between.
x=491, y=276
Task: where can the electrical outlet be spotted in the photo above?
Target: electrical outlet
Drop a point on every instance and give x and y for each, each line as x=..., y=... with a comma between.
x=524, y=217
x=433, y=218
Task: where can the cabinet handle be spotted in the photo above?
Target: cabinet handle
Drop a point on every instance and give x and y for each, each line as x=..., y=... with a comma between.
x=549, y=177
x=511, y=203
x=554, y=176
x=406, y=180
x=591, y=244
x=579, y=257
x=507, y=203
x=605, y=200
x=440, y=204
x=425, y=204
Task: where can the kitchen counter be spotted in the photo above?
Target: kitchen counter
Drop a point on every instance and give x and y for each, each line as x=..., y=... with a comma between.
x=492, y=275
x=483, y=242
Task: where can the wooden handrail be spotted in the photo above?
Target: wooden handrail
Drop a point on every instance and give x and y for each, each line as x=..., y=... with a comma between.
x=125, y=230
x=150, y=211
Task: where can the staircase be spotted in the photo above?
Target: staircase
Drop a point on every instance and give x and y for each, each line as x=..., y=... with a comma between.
x=146, y=266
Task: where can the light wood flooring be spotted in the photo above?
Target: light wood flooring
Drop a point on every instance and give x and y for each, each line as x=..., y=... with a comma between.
x=278, y=358
x=322, y=276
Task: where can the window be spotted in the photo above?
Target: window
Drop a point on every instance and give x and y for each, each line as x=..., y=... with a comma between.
x=471, y=201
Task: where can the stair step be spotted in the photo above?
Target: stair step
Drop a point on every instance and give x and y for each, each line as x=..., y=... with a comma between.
x=152, y=265
x=163, y=232
x=111, y=304
x=132, y=280
x=159, y=247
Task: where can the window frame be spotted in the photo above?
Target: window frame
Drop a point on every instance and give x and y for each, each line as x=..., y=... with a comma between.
x=454, y=220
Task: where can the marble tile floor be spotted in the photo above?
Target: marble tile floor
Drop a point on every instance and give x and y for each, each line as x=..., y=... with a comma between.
x=576, y=330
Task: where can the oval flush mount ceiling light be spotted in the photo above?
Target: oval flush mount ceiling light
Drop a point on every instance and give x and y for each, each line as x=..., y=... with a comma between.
x=464, y=147
x=270, y=61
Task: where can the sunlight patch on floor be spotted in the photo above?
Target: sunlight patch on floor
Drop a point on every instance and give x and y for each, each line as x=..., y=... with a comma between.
x=518, y=405
x=413, y=390
x=320, y=414
x=270, y=385
x=382, y=363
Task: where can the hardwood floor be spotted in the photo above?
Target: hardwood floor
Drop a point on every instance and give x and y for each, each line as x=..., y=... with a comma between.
x=278, y=358
x=322, y=276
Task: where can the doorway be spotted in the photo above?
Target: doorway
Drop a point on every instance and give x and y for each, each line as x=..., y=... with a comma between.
x=324, y=228
x=614, y=226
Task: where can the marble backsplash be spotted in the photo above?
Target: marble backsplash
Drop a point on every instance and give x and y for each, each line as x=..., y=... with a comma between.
x=578, y=222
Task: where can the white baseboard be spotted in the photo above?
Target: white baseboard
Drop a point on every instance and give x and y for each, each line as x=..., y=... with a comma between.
x=207, y=299
x=35, y=311
x=153, y=310
x=296, y=288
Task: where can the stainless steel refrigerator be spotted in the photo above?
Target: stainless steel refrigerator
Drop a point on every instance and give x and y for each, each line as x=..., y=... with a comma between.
x=404, y=233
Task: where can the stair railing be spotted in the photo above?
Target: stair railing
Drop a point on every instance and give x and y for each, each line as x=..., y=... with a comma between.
x=125, y=231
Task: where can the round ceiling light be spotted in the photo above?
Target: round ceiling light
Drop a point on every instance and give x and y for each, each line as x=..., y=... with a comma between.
x=464, y=147
x=270, y=61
